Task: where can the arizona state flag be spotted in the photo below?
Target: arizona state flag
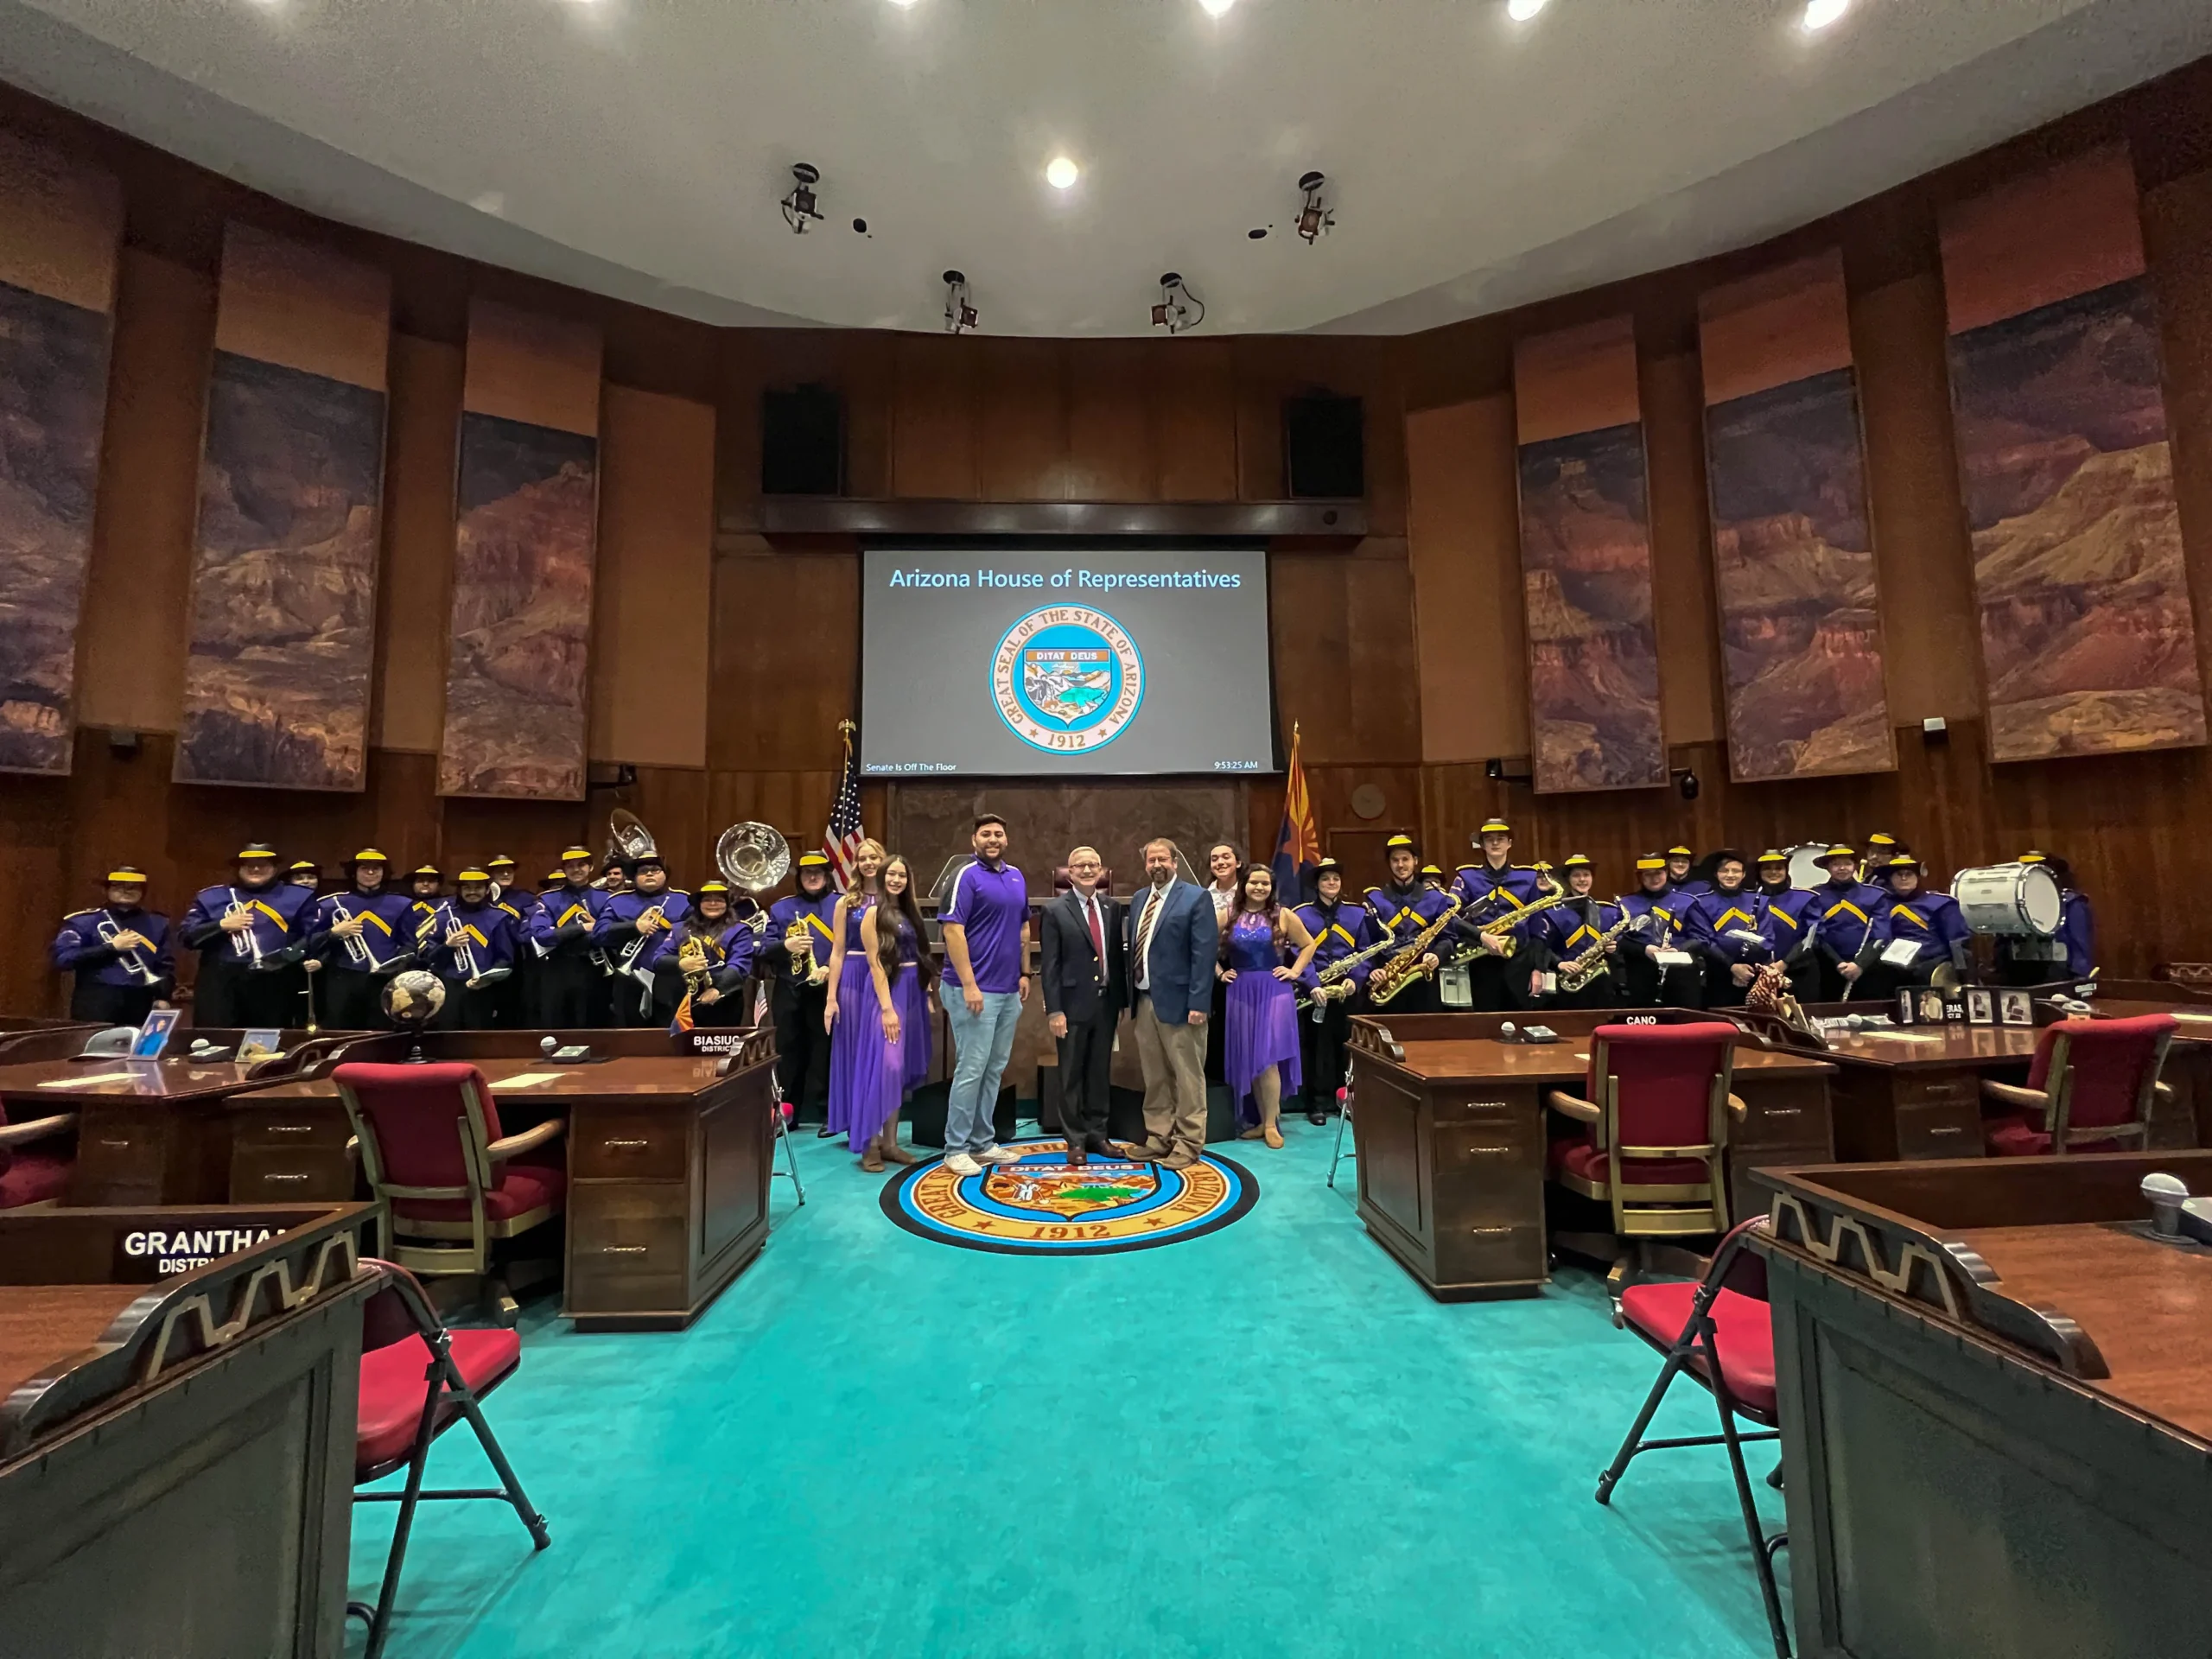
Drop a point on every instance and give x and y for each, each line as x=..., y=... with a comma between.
x=1298, y=847
x=682, y=1022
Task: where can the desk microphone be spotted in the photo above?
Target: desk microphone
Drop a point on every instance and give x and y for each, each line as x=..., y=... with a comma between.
x=547, y=1044
x=1507, y=1032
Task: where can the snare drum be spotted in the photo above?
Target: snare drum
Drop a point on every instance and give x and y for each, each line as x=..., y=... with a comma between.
x=1806, y=868
x=2011, y=900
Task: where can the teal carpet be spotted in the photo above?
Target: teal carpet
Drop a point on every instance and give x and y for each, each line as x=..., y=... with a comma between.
x=1269, y=1441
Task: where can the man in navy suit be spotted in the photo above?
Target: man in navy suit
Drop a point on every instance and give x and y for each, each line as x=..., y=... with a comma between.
x=1172, y=940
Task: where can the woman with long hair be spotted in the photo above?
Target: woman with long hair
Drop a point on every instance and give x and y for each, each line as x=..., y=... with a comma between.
x=1265, y=952
x=899, y=978
x=847, y=1002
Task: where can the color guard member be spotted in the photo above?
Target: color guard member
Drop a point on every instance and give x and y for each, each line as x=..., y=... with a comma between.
x=726, y=950
x=470, y=944
x=571, y=974
x=628, y=929
x=1932, y=922
x=361, y=938
x=2070, y=953
x=797, y=1000
x=251, y=938
x=1654, y=911
x=1491, y=894
x=1792, y=924
x=119, y=953
x=1725, y=929
x=1342, y=929
x=1844, y=908
x=1578, y=927
x=1402, y=907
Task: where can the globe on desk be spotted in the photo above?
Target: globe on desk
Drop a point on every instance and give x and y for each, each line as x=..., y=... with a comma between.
x=412, y=999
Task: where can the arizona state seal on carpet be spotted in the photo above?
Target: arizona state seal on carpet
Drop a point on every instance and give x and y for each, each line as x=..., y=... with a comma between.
x=1045, y=1205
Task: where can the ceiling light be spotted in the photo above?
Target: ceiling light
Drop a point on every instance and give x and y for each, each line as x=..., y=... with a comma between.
x=1177, y=308
x=902, y=4
x=798, y=206
x=1521, y=10
x=1060, y=172
x=1819, y=14
x=959, y=316
x=1216, y=8
x=1315, y=220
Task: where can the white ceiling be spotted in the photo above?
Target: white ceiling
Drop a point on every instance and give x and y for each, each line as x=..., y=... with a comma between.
x=639, y=146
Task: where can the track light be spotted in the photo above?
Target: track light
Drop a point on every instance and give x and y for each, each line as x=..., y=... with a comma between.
x=1178, y=308
x=959, y=316
x=798, y=206
x=1316, y=220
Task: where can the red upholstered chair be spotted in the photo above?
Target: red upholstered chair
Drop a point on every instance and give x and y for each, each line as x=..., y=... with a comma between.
x=430, y=1144
x=2090, y=1088
x=30, y=1173
x=418, y=1380
x=1654, y=1131
x=1720, y=1331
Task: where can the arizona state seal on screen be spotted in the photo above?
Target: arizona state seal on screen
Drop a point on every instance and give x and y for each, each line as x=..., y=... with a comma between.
x=1067, y=678
x=1045, y=1205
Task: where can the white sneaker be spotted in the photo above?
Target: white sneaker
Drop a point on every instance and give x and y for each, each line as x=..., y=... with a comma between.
x=961, y=1164
x=998, y=1155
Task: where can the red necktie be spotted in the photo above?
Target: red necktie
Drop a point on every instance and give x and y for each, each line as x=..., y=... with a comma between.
x=1097, y=936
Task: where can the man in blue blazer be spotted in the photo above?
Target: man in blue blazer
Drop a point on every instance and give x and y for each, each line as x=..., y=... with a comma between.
x=1173, y=941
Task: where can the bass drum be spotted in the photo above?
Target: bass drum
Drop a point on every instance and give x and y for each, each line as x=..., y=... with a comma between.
x=2011, y=900
x=1806, y=869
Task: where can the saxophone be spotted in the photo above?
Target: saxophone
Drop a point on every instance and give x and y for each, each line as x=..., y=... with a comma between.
x=1338, y=971
x=1468, y=953
x=1588, y=964
x=1403, y=968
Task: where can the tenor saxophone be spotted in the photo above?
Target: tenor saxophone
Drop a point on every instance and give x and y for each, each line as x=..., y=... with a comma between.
x=1513, y=919
x=1403, y=968
x=1588, y=964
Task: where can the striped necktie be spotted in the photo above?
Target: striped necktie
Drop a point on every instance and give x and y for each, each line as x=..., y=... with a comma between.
x=1144, y=934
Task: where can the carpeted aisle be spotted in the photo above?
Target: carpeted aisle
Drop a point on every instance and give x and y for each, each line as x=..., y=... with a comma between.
x=1266, y=1441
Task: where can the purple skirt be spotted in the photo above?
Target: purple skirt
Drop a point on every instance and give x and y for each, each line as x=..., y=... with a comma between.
x=1260, y=1030
x=869, y=1077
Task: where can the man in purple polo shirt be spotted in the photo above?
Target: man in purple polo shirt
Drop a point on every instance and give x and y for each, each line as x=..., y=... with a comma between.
x=983, y=920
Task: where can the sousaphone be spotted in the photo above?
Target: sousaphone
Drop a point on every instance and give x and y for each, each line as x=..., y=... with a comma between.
x=755, y=857
x=627, y=839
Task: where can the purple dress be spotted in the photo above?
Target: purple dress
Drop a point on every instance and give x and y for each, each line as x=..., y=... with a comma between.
x=1261, y=1026
x=882, y=1073
x=854, y=1033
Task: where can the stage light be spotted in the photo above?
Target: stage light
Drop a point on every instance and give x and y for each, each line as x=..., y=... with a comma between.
x=1819, y=14
x=1060, y=173
x=1315, y=220
x=959, y=316
x=1178, y=308
x=1216, y=8
x=798, y=206
x=1521, y=10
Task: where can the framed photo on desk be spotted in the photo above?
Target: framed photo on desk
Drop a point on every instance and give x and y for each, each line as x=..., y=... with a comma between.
x=2015, y=1008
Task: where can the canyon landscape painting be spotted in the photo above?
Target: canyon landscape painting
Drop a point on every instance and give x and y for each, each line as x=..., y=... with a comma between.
x=2088, y=638
x=1794, y=567
x=517, y=663
x=283, y=590
x=52, y=400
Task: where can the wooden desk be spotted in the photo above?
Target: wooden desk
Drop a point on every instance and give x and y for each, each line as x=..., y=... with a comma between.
x=176, y=1450
x=1452, y=1143
x=27, y=1038
x=668, y=1158
x=1996, y=1397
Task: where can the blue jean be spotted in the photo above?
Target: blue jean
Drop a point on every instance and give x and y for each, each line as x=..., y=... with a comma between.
x=982, y=1044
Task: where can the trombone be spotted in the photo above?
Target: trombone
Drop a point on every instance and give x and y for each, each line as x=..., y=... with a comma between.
x=135, y=964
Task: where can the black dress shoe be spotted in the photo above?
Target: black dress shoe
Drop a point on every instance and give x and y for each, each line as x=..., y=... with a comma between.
x=1316, y=1118
x=824, y=1133
x=1104, y=1146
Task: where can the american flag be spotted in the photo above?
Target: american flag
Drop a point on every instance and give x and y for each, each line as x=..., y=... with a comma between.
x=841, y=839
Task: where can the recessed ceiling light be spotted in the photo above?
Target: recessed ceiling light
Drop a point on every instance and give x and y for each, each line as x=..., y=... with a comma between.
x=1521, y=10
x=902, y=3
x=1060, y=172
x=1216, y=8
x=1819, y=14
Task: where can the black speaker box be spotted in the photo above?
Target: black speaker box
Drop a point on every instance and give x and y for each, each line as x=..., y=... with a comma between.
x=1325, y=446
x=802, y=441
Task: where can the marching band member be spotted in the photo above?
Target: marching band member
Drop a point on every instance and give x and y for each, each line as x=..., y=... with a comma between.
x=1576, y=928
x=626, y=930
x=1881, y=848
x=1343, y=930
x=1844, y=908
x=797, y=1000
x=1403, y=907
x=1654, y=911
x=726, y=950
x=119, y=952
x=1491, y=894
x=518, y=996
x=305, y=873
x=361, y=938
x=1931, y=921
x=250, y=937
x=571, y=978
x=426, y=886
x=1680, y=862
x=1791, y=924
x=1725, y=929
x=2070, y=953
x=470, y=944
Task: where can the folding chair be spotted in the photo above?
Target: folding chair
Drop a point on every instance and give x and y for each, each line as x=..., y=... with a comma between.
x=790, y=1170
x=419, y=1379
x=1337, y=1153
x=1718, y=1330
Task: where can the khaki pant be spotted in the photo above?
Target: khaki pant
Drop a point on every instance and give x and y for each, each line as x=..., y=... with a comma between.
x=1174, y=1059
